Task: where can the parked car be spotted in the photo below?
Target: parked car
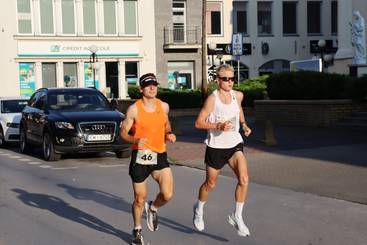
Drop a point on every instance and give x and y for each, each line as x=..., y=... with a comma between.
x=71, y=120
x=10, y=114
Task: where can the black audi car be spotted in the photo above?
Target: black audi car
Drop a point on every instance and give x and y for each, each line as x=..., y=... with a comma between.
x=71, y=120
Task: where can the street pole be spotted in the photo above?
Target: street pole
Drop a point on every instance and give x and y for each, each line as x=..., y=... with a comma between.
x=204, y=75
x=93, y=68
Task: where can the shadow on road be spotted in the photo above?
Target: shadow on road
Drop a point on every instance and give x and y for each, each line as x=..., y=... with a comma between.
x=121, y=204
x=64, y=210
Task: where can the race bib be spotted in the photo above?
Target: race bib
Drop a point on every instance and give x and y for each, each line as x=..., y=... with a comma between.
x=146, y=157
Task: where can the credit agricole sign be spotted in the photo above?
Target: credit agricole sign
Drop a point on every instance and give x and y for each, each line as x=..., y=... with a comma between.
x=26, y=48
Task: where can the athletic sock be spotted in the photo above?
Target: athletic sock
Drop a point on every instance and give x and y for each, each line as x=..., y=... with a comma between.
x=152, y=207
x=238, y=209
x=200, y=207
x=138, y=227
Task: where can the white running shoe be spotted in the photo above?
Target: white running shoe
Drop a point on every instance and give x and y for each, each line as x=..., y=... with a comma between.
x=238, y=223
x=198, y=220
x=152, y=217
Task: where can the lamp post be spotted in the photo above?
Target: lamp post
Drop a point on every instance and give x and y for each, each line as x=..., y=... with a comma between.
x=92, y=60
x=322, y=43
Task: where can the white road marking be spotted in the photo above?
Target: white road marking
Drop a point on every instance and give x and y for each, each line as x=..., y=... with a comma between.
x=5, y=154
x=15, y=157
x=45, y=166
x=24, y=160
x=65, y=168
x=34, y=163
x=111, y=166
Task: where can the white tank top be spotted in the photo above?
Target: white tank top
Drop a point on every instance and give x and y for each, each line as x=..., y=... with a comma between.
x=222, y=113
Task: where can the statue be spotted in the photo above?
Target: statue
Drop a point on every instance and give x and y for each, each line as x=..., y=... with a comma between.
x=358, y=38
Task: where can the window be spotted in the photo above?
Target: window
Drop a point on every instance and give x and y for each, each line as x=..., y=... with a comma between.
x=89, y=17
x=47, y=18
x=68, y=17
x=179, y=21
x=70, y=75
x=109, y=12
x=314, y=17
x=49, y=75
x=24, y=16
x=334, y=17
x=214, y=18
x=240, y=17
x=289, y=18
x=131, y=71
x=130, y=15
x=264, y=18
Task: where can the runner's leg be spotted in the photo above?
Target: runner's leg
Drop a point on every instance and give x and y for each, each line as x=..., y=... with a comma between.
x=140, y=194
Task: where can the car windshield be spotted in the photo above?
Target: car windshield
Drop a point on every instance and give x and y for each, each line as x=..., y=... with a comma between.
x=13, y=106
x=77, y=101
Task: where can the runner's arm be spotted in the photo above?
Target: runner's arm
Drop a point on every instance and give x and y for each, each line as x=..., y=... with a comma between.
x=126, y=125
x=243, y=122
x=168, y=129
x=201, y=122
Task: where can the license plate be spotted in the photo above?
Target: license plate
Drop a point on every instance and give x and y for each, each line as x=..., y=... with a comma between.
x=99, y=137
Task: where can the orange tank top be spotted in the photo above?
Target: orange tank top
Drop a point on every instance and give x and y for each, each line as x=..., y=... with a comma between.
x=150, y=125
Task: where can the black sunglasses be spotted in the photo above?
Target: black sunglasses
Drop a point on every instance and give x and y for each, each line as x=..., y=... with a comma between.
x=226, y=79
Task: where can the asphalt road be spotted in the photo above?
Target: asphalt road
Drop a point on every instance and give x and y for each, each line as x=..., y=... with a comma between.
x=87, y=200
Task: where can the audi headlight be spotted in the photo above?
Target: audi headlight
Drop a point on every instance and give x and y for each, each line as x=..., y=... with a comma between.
x=64, y=125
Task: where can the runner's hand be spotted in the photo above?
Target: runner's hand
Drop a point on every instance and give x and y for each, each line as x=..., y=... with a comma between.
x=246, y=130
x=224, y=126
x=171, y=137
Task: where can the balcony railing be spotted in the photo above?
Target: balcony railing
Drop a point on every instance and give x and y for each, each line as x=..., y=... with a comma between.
x=182, y=35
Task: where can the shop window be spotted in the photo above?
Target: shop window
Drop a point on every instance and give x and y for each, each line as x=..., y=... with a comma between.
x=49, y=75
x=131, y=70
x=70, y=75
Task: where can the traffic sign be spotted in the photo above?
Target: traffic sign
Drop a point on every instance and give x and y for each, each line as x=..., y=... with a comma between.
x=237, y=44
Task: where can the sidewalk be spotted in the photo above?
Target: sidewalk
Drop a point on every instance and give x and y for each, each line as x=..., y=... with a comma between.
x=329, y=162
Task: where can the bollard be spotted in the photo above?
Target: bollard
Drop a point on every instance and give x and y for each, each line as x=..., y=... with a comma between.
x=269, y=138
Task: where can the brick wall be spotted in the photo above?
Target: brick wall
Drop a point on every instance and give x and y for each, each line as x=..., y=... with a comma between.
x=318, y=113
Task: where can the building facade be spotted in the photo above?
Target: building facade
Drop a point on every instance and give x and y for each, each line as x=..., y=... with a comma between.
x=104, y=44
x=276, y=32
x=178, y=43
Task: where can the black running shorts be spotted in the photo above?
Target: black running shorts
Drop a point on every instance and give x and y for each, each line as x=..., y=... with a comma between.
x=139, y=173
x=217, y=158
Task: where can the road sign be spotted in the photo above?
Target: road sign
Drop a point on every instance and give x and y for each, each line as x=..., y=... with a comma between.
x=237, y=44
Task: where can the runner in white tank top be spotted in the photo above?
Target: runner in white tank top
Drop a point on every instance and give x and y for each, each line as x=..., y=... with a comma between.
x=224, y=113
x=222, y=116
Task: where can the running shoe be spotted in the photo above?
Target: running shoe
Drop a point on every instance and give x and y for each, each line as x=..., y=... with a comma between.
x=238, y=223
x=198, y=220
x=137, y=237
x=152, y=218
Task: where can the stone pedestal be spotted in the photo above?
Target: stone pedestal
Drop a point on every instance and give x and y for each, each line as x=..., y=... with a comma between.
x=358, y=70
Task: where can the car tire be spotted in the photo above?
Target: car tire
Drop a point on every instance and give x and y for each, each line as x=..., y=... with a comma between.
x=2, y=138
x=123, y=154
x=23, y=144
x=48, y=149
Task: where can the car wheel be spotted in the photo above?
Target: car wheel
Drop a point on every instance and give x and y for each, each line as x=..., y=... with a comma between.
x=23, y=144
x=123, y=154
x=2, y=138
x=48, y=149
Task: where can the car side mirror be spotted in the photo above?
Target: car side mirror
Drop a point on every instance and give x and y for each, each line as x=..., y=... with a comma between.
x=114, y=104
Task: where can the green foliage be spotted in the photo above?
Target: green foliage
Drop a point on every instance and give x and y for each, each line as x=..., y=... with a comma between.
x=252, y=89
x=310, y=85
x=175, y=98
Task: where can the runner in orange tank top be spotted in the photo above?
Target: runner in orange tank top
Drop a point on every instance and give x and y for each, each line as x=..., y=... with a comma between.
x=147, y=119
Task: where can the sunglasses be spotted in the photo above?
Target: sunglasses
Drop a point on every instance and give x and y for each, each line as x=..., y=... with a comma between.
x=226, y=79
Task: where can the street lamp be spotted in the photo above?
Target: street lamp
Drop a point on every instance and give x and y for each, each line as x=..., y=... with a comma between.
x=92, y=60
x=322, y=43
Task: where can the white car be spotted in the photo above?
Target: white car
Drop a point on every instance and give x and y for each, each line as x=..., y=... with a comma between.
x=10, y=115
